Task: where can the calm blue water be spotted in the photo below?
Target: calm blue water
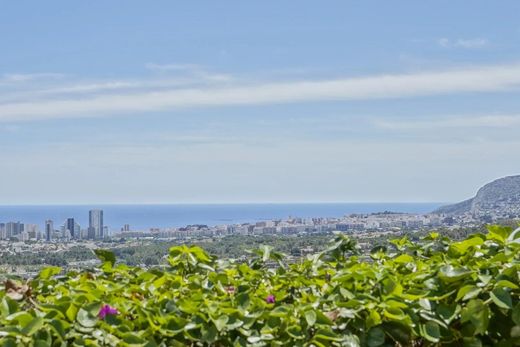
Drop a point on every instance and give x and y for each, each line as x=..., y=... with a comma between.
x=145, y=216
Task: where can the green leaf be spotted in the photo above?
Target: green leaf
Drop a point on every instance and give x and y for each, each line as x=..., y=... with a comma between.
x=295, y=331
x=457, y=249
x=501, y=298
x=8, y=306
x=200, y=254
x=350, y=340
x=220, y=322
x=516, y=314
x=403, y=259
x=33, y=326
x=280, y=311
x=375, y=337
x=431, y=332
x=310, y=317
x=397, y=332
x=60, y=327
x=86, y=319
x=243, y=300
x=133, y=339
x=498, y=233
x=447, y=312
x=105, y=256
x=468, y=292
x=477, y=313
x=450, y=274
x=327, y=335
x=49, y=271
x=506, y=284
x=209, y=333
x=373, y=319
x=394, y=314
x=71, y=312
x=322, y=319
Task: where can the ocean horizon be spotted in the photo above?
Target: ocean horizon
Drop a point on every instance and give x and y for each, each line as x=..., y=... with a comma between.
x=145, y=216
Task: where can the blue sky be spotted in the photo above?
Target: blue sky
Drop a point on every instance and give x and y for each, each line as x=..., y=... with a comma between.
x=233, y=101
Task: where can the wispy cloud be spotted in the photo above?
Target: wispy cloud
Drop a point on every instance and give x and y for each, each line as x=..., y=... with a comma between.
x=173, y=67
x=463, y=43
x=67, y=88
x=484, y=121
x=462, y=80
x=195, y=70
x=18, y=77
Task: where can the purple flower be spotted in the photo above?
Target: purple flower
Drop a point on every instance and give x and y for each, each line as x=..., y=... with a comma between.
x=107, y=310
x=270, y=299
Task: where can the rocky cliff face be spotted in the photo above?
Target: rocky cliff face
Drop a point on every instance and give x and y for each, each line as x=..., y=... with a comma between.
x=500, y=198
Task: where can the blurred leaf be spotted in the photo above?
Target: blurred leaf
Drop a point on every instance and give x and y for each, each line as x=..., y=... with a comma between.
x=310, y=317
x=48, y=272
x=375, y=337
x=105, y=256
x=501, y=298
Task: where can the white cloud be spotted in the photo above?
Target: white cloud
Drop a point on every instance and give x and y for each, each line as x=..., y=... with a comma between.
x=67, y=88
x=487, y=121
x=194, y=70
x=462, y=80
x=17, y=78
x=173, y=67
x=463, y=43
x=117, y=86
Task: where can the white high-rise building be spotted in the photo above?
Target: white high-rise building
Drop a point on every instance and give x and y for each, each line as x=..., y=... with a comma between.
x=95, y=224
x=32, y=230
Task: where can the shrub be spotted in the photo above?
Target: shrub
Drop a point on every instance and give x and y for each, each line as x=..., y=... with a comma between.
x=434, y=292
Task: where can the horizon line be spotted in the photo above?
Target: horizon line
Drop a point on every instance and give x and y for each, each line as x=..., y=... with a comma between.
x=224, y=203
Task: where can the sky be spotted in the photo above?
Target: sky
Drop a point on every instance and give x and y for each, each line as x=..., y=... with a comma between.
x=272, y=101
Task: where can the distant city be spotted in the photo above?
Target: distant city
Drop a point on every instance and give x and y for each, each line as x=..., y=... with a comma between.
x=24, y=248
x=71, y=231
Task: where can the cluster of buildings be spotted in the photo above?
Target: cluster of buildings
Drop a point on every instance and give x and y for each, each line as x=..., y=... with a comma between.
x=69, y=230
x=375, y=222
x=19, y=230
x=382, y=222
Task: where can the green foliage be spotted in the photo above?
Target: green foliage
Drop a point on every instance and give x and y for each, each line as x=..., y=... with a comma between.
x=230, y=247
x=36, y=259
x=427, y=293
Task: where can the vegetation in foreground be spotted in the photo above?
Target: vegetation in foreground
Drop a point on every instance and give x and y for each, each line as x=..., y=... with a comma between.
x=433, y=292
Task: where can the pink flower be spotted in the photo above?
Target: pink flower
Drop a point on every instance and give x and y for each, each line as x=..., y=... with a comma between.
x=270, y=299
x=107, y=310
x=231, y=290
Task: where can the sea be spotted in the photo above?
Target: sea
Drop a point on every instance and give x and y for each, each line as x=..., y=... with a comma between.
x=144, y=217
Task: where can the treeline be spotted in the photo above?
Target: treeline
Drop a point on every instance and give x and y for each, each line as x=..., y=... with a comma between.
x=61, y=258
x=236, y=246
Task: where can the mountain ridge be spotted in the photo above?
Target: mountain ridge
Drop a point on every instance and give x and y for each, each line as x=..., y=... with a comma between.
x=500, y=197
